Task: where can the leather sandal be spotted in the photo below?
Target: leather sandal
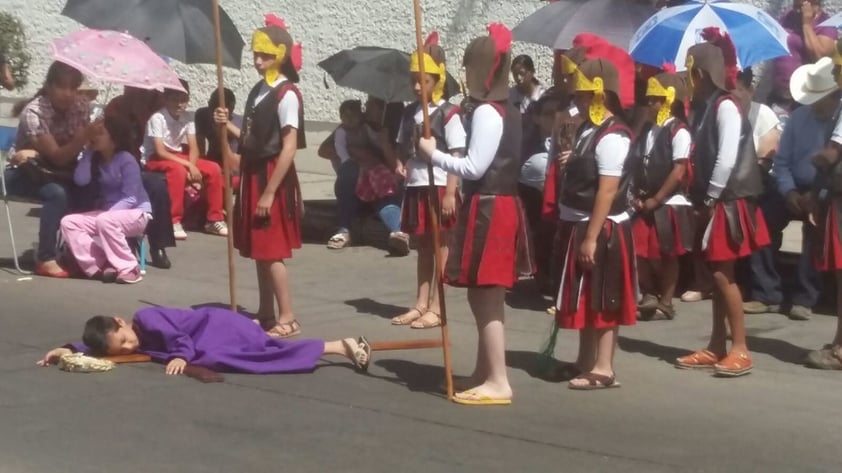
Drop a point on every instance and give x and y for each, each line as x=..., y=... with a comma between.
x=733, y=365
x=700, y=360
x=422, y=323
x=409, y=316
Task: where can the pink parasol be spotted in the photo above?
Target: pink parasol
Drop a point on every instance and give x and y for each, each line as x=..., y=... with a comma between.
x=117, y=58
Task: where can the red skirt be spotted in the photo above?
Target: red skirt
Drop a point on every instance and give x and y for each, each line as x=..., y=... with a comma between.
x=664, y=233
x=415, y=211
x=730, y=239
x=272, y=238
x=606, y=295
x=490, y=245
x=828, y=250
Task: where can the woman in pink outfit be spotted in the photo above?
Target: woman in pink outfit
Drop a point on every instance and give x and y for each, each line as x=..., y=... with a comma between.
x=97, y=239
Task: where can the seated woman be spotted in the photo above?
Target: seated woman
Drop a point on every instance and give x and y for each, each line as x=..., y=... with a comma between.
x=97, y=239
x=213, y=338
x=54, y=127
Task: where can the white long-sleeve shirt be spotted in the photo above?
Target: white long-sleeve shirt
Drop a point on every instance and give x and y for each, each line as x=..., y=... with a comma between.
x=486, y=133
x=729, y=125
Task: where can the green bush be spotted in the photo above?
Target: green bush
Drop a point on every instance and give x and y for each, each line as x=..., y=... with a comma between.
x=13, y=46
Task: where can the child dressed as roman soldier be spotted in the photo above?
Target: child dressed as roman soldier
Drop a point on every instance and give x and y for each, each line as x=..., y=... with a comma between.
x=268, y=211
x=489, y=249
x=725, y=187
x=663, y=226
x=417, y=213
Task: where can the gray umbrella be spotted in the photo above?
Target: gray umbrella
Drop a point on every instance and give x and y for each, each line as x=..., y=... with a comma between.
x=379, y=72
x=555, y=25
x=180, y=29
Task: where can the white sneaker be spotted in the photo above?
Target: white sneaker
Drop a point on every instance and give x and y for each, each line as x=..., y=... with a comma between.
x=179, y=232
x=217, y=228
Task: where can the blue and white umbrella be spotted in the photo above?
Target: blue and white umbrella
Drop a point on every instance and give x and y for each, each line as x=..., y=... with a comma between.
x=834, y=22
x=668, y=34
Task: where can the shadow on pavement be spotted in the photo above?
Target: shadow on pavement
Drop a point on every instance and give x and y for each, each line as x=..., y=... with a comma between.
x=525, y=295
x=778, y=349
x=416, y=377
x=537, y=366
x=367, y=305
x=664, y=353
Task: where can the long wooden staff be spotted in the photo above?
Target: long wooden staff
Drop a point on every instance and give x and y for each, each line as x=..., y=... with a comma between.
x=226, y=158
x=434, y=209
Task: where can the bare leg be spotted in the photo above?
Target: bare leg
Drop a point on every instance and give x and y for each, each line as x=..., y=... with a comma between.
x=587, y=350
x=732, y=299
x=342, y=347
x=719, y=332
x=487, y=306
x=280, y=286
x=433, y=314
x=423, y=277
x=645, y=276
x=606, y=344
x=668, y=278
x=266, y=309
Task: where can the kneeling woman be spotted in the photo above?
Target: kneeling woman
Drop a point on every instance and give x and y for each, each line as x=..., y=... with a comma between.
x=97, y=239
x=489, y=239
x=213, y=338
x=597, y=292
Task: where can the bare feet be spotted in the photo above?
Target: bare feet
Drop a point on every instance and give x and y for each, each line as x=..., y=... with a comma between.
x=485, y=394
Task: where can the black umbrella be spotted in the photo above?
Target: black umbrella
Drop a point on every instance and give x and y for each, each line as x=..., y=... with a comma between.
x=379, y=72
x=180, y=29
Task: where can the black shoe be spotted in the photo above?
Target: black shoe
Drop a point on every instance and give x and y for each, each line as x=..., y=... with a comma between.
x=160, y=259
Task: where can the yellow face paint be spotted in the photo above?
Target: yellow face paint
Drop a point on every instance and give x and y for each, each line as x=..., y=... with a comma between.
x=656, y=89
x=430, y=67
x=261, y=43
x=690, y=84
x=596, y=111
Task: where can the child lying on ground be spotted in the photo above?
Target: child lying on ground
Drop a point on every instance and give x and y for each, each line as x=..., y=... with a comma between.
x=213, y=338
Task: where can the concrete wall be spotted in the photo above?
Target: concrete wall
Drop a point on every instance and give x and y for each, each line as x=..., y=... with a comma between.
x=324, y=27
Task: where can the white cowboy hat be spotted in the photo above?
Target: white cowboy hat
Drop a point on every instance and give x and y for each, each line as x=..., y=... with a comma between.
x=812, y=82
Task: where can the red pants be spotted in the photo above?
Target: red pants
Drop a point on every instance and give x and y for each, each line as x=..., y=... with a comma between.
x=176, y=175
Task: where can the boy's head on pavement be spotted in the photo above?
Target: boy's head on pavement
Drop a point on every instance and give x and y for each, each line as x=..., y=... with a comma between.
x=176, y=101
x=110, y=336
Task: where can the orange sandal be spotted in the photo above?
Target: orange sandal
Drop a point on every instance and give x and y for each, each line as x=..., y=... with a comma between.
x=733, y=365
x=700, y=360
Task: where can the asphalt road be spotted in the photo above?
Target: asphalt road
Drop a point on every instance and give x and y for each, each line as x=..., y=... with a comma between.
x=781, y=418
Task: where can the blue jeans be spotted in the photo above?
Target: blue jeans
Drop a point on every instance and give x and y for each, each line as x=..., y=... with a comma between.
x=765, y=282
x=55, y=200
x=346, y=194
x=348, y=204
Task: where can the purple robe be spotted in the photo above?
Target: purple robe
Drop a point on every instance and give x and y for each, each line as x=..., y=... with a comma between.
x=221, y=340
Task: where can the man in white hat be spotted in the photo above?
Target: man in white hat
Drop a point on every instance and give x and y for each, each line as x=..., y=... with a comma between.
x=805, y=134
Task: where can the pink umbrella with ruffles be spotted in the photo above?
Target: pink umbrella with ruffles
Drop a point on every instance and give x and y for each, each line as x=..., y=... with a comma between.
x=116, y=58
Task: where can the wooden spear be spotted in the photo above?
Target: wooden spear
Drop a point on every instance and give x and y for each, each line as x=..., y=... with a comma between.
x=226, y=159
x=434, y=208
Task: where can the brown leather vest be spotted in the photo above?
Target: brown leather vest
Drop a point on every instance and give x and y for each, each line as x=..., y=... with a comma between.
x=650, y=171
x=501, y=177
x=581, y=176
x=411, y=131
x=260, y=139
x=745, y=180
